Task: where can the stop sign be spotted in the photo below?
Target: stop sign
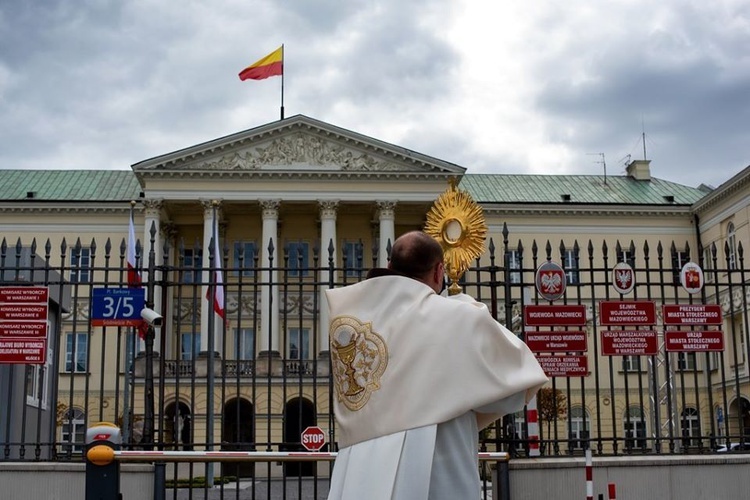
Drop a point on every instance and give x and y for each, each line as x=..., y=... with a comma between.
x=313, y=438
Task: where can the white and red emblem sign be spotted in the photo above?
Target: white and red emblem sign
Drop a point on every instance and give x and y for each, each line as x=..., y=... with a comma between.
x=623, y=278
x=691, y=277
x=550, y=281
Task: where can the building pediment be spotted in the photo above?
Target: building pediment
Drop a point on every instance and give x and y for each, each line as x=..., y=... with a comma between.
x=297, y=144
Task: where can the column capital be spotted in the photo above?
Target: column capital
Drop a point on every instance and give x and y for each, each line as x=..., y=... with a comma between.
x=152, y=206
x=386, y=208
x=328, y=208
x=209, y=205
x=270, y=208
x=168, y=229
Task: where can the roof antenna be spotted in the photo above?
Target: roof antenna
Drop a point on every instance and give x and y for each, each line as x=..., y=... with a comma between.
x=643, y=137
x=603, y=163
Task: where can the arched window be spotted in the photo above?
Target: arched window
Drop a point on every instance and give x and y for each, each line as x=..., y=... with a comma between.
x=732, y=244
x=690, y=427
x=578, y=431
x=634, y=426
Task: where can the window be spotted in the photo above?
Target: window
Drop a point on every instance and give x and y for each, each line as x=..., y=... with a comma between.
x=627, y=257
x=708, y=264
x=76, y=352
x=244, y=343
x=679, y=259
x=244, y=258
x=192, y=266
x=80, y=266
x=732, y=243
x=686, y=361
x=738, y=332
x=570, y=265
x=36, y=384
x=298, y=258
x=73, y=430
x=352, y=258
x=690, y=427
x=634, y=426
x=191, y=345
x=299, y=343
x=579, y=428
x=631, y=363
x=514, y=262
x=713, y=360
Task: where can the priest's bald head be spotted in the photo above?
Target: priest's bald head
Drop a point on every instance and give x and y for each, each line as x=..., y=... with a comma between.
x=419, y=256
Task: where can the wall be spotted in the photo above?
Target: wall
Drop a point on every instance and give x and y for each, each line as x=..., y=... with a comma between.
x=666, y=478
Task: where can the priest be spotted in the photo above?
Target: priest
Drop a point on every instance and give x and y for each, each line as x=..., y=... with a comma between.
x=416, y=376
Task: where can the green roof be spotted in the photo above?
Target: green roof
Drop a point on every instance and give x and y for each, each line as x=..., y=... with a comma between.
x=581, y=189
x=69, y=185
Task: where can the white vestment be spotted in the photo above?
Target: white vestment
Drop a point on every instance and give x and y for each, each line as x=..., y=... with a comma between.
x=412, y=371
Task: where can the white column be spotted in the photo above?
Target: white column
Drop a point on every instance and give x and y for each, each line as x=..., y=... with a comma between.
x=210, y=207
x=152, y=216
x=269, y=294
x=327, y=236
x=386, y=216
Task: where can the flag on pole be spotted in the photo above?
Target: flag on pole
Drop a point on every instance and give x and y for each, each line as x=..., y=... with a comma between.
x=271, y=65
x=134, y=276
x=218, y=299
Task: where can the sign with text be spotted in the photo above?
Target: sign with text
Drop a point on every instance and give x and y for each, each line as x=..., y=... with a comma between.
x=692, y=314
x=639, y=312
x=23, y=312
x=24, y=295
x=557, y=341
x=313, y=438
x=629, y=343
x=23, y=351
x=564, y=366
x=23, y=329
x=117, y=306
x=678, y=341
x=548, y=315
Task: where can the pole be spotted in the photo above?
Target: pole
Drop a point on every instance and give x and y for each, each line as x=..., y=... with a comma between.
x=589, y=476
x=282, y=81
x=211, y=343
x=148, y=421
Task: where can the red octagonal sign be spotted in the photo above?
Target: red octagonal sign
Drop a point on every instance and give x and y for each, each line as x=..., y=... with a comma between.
x=313, y=438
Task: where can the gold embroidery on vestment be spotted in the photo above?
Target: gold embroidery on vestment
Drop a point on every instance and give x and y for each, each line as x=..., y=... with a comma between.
x=359, y=358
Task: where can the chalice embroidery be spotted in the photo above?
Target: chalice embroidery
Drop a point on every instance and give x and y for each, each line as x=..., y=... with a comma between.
x=359, y=358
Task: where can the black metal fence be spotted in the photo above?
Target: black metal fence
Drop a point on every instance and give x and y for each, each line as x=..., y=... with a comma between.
x=257, y=379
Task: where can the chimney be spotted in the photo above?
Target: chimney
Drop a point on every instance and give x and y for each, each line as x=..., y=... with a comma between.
x=640, y=170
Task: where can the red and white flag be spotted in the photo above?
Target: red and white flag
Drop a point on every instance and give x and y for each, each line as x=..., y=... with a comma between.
x=134, y=276
x=218, y=299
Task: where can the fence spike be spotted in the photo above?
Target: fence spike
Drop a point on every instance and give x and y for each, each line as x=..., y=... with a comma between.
x=19, y=247
x=48, y=248
x=548, y=250
x=107, y=248
x=93, y=247
x=590, y=247
x=33, y=247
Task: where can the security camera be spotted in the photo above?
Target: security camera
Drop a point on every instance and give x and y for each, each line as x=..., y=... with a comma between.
x=152, y=317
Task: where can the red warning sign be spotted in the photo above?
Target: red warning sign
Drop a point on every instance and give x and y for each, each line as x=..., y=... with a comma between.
x=558, y=341
x=692, y=314
x=23, y=351
x=548, y=315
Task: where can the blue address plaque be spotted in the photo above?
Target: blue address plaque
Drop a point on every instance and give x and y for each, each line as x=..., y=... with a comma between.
x=117, y=306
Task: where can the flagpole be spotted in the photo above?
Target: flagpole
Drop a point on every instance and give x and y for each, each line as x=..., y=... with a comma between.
x=211, y=346
x=282, y=81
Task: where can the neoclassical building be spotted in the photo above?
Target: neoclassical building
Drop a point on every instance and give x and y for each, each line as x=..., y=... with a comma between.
x=298, y=206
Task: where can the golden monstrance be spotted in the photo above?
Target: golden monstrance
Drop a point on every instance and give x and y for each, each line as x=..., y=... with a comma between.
x=457, y=223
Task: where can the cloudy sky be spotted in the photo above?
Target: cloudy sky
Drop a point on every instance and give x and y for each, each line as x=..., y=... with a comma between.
x=514, y=86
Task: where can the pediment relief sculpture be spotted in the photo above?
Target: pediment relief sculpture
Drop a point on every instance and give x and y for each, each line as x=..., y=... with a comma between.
x=298, y=151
